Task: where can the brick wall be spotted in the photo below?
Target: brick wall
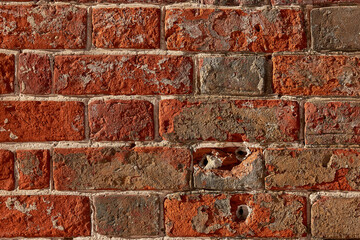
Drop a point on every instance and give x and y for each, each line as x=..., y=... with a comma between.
x=168, y=119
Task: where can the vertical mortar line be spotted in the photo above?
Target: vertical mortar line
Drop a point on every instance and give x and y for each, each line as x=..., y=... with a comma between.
x=52, y=64
x=196, y=75
x=86, y=121
x=162, y=27
x=156, y=113
x=16, y=172
x=16, y=75
x=302, y=120
x=191, y=177
x=51, y=166
x=89, y=28
x=92, y=214
x=162, y=230
x=308, y=215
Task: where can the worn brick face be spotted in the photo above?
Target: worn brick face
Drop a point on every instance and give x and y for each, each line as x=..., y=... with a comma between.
x=35, y=73
x=7, y=73
x=126, y=27
x=240, y=215
x=44, y=216
x=42, y=26
x=268, y=30
x=25, y=121
x=316, y=75
x=336, y=218
x=34, y=168
x=127, y=215
x=139, y=168
x=228, y=168
x=123, y=75
x=116, y=120
x=335, y=28
x=229, y=120
x=232, y=75
x=328, y=123
x=7, y=178
x=316, y=169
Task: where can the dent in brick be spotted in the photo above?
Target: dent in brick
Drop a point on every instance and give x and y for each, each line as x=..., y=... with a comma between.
x=228, y=169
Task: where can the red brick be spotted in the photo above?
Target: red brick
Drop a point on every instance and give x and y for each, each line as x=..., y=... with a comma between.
x=228, y=168
x=336, y=217
x=316, y=169
x=121, y=120
x=229, y=120
x=44, y=216
x=7, y=73
x=235, y=215
x=42, y=26
x=34, y=73
x=7, y=179
x=34, y=168
x=124, y=74
x=41, y=121
x=127, y=215
x=126, y=27
x=329, y=123
x=268, y=30
x=139, y=168
x=316, y=75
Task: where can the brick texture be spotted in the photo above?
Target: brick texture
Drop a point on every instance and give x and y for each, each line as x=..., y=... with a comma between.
x=7, y=178
x=7, y=71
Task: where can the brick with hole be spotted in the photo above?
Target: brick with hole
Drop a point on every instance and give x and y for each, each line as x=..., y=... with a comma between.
x=335, y=217
x=228, y=168
x=335, y=29
x=243, y=75
x=138, y=168
x=35, y=73
x=42, y=27
x=34, y=169
x=312, y=169
x=39, y=121
x=7, y=178
x=332, y=122
x=44, y=216
x=262, y=121
x=246, y=30
x=310, y=75
x=127, y=215
x=7, y=73
x=123, y=74
x=121, y=120
x=136, y=27
x=235, y=215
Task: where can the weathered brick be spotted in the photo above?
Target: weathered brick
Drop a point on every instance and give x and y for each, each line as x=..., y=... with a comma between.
x=336, y=218
x=232, y=75
x=328, y=123
x=240, y=215
x=126, y=120
x=7, y=73
x=228, y=168
x=267, y=30
x=34, y=73
x=235, y=2
x=42, y=26
x=317, y=169
x=126, y=27
x=34, y=168
x=139, y=168
x=25, y=121
x=334, y=28
x=127, y=215
x=7, y=179
x=123, y=74
x=229, y=120
x=316, y=75
x=44, y=216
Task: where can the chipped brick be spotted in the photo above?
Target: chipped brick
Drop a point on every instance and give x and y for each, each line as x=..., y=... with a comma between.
x=34, y=168
x=127, y=216
x=123, y=74
x=116, y=120
x=229, y=120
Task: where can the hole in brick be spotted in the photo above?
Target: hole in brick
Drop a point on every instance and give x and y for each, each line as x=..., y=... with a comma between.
x=257, y=28
x=204, y=162
x=241, y=154
x=326, y=160
x=242, y=212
